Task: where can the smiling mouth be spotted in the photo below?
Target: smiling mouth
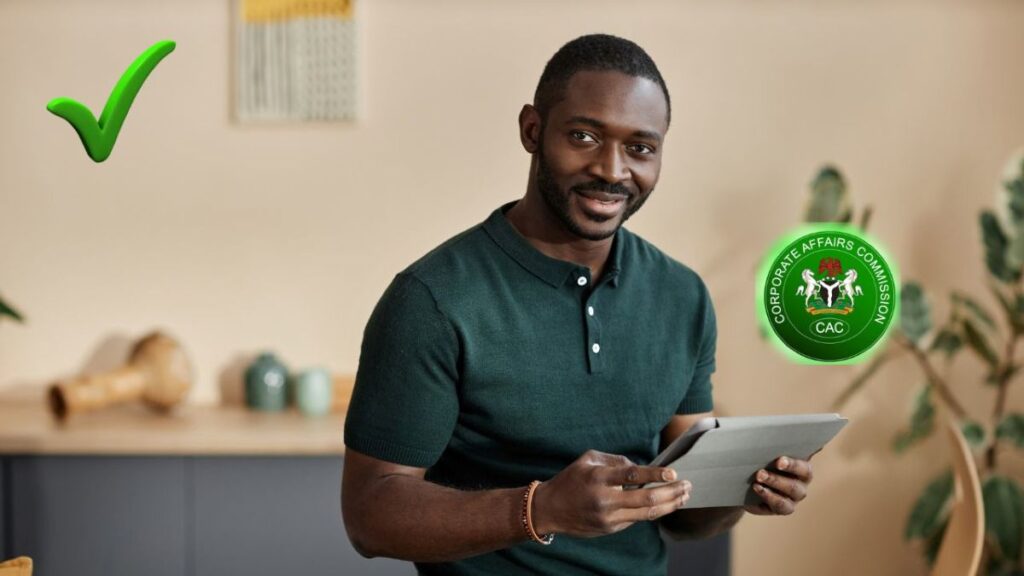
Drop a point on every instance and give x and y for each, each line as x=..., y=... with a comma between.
x=601, y=204
x=602, y=197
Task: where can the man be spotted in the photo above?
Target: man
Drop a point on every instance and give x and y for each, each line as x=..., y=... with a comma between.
x=546, y=343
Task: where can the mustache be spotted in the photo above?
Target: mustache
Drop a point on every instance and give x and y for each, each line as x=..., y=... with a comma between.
x=617, y=189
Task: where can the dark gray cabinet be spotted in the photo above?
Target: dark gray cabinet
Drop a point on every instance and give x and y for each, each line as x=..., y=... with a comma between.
x=204, y=516
x=275, y=516
x=78, y=515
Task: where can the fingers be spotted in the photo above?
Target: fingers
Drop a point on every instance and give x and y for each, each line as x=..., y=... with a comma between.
x=676, y=493
x=777, y=503
x=781, y=489
x=650, y=503
x=617, y=470
x=608, y=506
x=799, y=468
x=792, y=488
x=637, y=474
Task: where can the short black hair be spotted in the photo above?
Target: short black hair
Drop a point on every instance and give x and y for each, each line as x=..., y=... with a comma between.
x=594, y=52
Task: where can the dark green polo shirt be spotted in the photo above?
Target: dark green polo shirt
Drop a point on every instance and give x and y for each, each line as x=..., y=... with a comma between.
x=491, y=365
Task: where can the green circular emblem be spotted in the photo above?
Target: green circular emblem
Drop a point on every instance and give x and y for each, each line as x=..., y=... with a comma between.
x=827, y=293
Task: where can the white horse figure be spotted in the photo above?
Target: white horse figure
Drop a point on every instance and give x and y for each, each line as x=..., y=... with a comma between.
x=848, y=288
x=809, y=287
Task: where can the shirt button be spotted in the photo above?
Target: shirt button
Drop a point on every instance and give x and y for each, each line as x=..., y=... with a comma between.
x=582, y=280
x=596, y=347
x=590, y=310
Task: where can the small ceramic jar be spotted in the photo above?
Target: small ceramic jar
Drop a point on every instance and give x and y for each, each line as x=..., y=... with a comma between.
x=266, y=383
x=314, y=391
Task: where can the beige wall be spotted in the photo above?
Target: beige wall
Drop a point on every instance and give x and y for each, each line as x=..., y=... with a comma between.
x=240, y=238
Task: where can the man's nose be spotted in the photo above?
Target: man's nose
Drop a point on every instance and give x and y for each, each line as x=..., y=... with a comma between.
x=610, y=165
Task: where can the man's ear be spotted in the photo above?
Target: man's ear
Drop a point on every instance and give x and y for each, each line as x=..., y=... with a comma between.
x=529, y=128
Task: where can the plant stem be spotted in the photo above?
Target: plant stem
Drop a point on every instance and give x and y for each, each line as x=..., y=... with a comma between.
x=861, y=379
x=933, y=377
x=1005, y=373
x=865, y=217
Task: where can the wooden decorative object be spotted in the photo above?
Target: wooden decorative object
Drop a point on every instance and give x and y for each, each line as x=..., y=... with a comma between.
x=158, y=372
x=20, y=566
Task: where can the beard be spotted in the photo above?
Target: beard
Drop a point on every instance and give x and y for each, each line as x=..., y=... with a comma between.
x=558, y=200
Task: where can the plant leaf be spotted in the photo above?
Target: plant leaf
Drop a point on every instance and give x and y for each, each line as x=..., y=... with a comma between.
x=7, y=310
x=828, y=202
x=948, y=341
x=1011, y=428
x=1004, y=514
x=1003, y=569
x=1014, y=309
x=976, y=310
x=1009, y=371
x=973, y=432
x=1015, y=203
x=977, y=342
x=934, y=542
x=915, y=313
x=1015, y=249
x=922, y=421
x=995, y=242
x=1015, y=196
x=927, y=516
x=1019, y=308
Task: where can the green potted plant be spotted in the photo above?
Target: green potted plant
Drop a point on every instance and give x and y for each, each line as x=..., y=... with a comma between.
x=972, y=327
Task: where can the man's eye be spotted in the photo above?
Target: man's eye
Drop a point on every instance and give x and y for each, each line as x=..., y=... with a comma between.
x=643, y=149
x=582, y=136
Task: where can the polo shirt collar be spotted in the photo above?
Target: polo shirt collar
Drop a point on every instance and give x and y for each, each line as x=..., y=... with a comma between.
x=551, y=270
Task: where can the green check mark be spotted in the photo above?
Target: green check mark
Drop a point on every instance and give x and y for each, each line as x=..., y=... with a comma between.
x=99, y=136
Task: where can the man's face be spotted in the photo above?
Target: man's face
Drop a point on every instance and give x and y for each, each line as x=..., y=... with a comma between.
x=599, y=153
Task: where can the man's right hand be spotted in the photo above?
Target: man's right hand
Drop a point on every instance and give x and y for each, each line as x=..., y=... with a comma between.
x=586, y=498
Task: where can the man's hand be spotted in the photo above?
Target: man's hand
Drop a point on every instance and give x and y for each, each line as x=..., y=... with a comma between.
x=782, y=488
x=586, y=498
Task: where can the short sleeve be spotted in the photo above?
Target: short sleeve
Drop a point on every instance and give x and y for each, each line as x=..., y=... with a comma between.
x=698, y=396
x=404, y=404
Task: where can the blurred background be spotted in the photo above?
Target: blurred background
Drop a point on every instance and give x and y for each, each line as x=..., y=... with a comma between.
x=239, y=237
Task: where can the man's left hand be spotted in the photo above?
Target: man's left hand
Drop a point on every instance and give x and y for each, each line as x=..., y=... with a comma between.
x=781, y=488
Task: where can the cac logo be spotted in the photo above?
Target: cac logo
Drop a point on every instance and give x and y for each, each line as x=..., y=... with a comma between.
x=830, y=327
x=827, y=294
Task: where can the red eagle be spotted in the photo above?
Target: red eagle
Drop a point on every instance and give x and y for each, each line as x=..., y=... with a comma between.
x=830, y=267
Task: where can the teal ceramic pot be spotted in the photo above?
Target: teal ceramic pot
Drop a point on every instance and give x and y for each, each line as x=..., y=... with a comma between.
x=314, y=391
x=266, y=382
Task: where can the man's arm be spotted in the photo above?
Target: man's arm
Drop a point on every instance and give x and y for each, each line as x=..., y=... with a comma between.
x=390, y=510
x=684, y=524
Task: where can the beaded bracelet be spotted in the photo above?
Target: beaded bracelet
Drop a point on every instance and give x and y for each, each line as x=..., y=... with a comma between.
x=527, y=516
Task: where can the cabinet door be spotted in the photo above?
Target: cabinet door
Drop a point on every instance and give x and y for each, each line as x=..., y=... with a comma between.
x=102, y=516
x=276, y=515
x=5, y=495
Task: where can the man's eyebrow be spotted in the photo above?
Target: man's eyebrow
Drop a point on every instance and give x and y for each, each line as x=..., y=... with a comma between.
x=650, y=135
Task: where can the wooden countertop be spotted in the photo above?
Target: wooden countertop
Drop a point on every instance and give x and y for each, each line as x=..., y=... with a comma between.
x=27, y=427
